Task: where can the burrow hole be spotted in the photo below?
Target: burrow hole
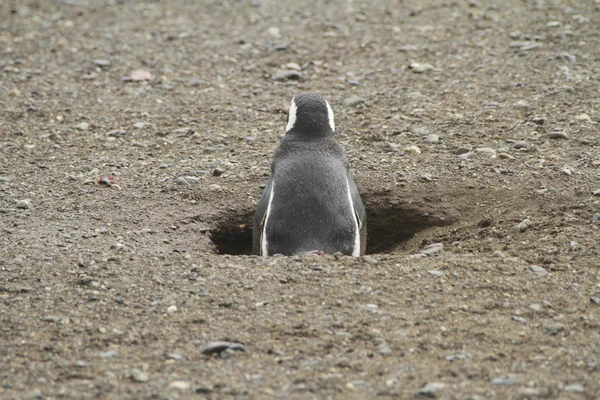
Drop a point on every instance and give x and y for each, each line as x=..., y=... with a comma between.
x=389, y=225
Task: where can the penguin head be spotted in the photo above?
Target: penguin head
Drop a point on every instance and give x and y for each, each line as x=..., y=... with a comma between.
x=310, y=115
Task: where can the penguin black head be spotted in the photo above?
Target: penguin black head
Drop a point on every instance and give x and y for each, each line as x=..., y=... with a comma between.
x=310, y=115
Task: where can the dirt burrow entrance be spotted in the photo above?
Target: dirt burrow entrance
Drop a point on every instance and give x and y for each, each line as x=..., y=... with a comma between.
x=393, y=218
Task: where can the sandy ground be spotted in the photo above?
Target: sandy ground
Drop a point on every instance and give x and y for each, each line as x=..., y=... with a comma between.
x=470, y=124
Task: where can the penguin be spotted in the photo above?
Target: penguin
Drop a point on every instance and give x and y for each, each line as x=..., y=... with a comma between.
x=310, y=204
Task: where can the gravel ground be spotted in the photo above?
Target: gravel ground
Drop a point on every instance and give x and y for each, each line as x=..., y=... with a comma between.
x=134, y=137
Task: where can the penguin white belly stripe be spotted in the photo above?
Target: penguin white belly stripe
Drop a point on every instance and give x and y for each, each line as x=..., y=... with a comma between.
x=263, y=238
x=356, y=249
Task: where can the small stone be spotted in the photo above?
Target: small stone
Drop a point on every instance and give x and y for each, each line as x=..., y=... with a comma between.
x=140, y=75
x=286, y=74
x=214, y=186
x=505, y=156
x=24, y=204
x=139, y=125
x=528, y=393
x=101, y=63
x=369, y=260
x=554, y=328
x=181, y=385
x=413, y=149
x=522, y=104
x=596, y=216
x=84, y=126
x=172, y=309
x=520, y=145
x=353, y=101
x=538, y=120
x=596, y=192
x=524, y=225
x=432, y=138
x=421, y=68
x=180, y=180
x=220, y=346
x=432, y=389
x=461, y=150
x=459, y=356
x=574, y=388
x=506, y=381
x=519, y=319
x=558, y=135
x=435, y=272
x=35, y=394
x=574, y=245
x=4, y=179
x=274, y=31
x=433, y=248
x=138, y=375
x=485, y=150
x=537, y=270
x=595, y=300
x=536, y=307
x=218, y=171
x=385, y=350
x=583, y=117
x=108, y=354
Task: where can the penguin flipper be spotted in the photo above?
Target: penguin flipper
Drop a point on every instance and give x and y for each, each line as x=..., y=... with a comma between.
x=360, y=212
x=260, y=216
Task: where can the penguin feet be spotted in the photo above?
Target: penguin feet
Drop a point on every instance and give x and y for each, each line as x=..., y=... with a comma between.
x=313, y=253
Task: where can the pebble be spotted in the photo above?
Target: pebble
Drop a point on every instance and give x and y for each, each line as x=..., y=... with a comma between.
x=369, y=260
x=35, y=394
x=432, y=138
x=172, y=309
x=505, y=156
x=413, y=149
x=538, y=120
x=523, y=104
x=520, y=145
x=433, y=248
x=596, y=192
x=101, y=63
x=554, y=328
x=138, y=375
x=583, y=117
x=139, y=125
x=435, y=272
x=286, y=74
x=23, y=204
x=181, y=181
x=274, y=31
x=385, y=350
x=220, y=346
x=574, y=388
x=353, y=101
x=108, y=354
x=537, y=270
x=84, y=126
x=558, y=135
x=4, y=179
x=506, y=381
x=596, y=216
x=524, y=225
x=519, y=319
x=421, y=68
x=485, y=150
x=459, y=356
x=595, y=300
x=214, y=186
x=529, y=392
x=461, y=150
x=181, y=385
x=431, y=389
x=218, y=171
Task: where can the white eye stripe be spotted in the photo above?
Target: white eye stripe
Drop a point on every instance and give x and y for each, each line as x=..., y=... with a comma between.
x=291, y=116
x=330, y=115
